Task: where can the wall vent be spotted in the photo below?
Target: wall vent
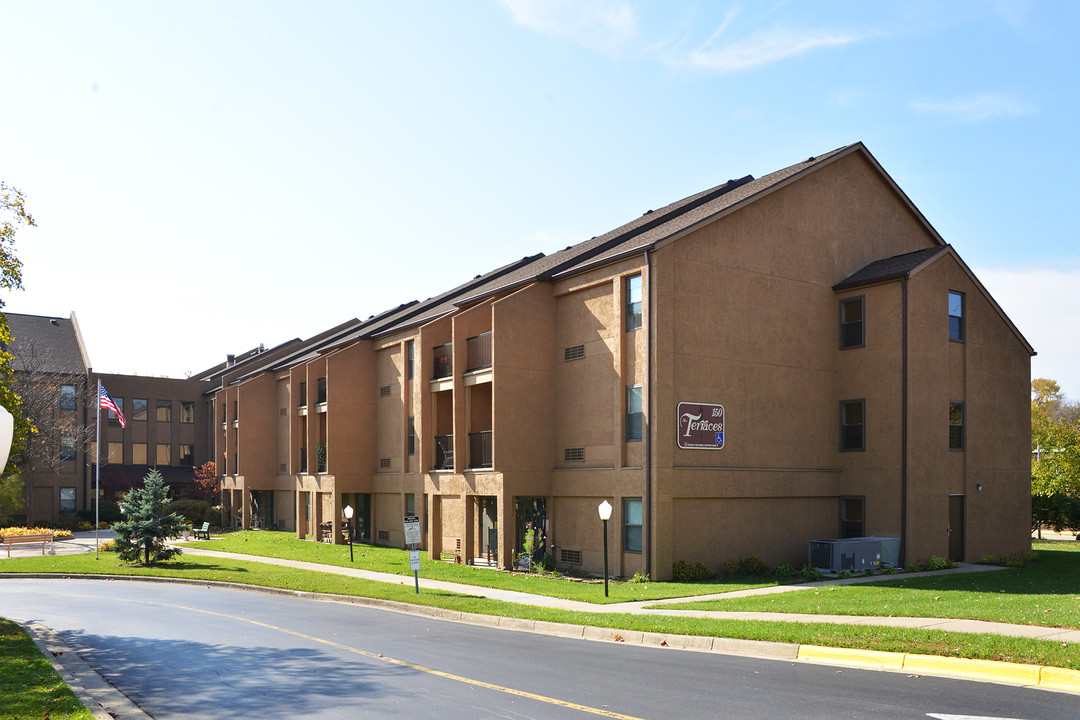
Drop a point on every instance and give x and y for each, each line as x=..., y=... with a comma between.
x=282, y=413
x=574, y=352
x=384, y=391
x=282, y=468
x=383, y=536
x=574, y=454
x=384, y=462
x=570, y=557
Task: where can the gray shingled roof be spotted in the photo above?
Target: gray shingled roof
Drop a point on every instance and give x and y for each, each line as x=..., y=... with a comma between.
x=891, y=268
x=46, y=344
x=636, y=236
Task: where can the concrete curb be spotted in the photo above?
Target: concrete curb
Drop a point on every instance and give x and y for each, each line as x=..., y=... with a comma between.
x=1041, y=676
x=1049, y=678
x=103, y=700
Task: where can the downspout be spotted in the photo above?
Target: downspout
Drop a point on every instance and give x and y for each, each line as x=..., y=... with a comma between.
x=647, y=540
x=903, y=419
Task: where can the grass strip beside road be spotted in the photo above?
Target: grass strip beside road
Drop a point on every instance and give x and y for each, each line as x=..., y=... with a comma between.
x=981, y=646
x=396, y=562
x=1045, y=592
x=29, y=685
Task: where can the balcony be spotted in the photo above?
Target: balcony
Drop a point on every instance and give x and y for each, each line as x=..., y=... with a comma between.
x=480, y=449
x=320, y=458
x=320, y=391
x=303, y=460
x=444, y=362
x=478, y=352
x=444, y=452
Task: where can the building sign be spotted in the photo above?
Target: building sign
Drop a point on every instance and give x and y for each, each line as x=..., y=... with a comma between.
x=701, y=426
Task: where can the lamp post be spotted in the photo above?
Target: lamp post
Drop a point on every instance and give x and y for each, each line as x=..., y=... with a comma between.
x=605, y=515
x=348, y=523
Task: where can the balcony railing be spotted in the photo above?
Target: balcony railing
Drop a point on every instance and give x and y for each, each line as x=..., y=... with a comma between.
x=444, y=452
x=320, y=458
x=480, y=449
x=444, y=361
x=478, y=352
x=320, y=391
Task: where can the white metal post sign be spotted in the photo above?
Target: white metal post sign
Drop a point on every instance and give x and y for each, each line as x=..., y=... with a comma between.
x=701, y=426
x=413, y=540
x=412, y=530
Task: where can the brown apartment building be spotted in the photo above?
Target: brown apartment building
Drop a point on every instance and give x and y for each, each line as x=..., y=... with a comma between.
x=167, y=424
x=766, y=363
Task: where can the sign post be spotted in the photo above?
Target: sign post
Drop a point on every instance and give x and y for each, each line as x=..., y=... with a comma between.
x=413, y=540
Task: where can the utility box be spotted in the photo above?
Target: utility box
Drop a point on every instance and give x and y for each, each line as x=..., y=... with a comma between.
x=846, y=554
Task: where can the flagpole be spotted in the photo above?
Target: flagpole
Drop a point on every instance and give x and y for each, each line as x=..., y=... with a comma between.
x=97, y=471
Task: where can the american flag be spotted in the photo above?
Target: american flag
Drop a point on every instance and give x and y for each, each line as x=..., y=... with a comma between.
x=109, y=404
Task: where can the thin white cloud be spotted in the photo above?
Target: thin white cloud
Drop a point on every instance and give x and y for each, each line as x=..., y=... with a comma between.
x=1042, y=305
x=763, y=47
x=973, y=108
x=595, y=24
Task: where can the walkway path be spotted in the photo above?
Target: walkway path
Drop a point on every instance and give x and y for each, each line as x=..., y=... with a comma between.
x=83, y=542
x=641, y=607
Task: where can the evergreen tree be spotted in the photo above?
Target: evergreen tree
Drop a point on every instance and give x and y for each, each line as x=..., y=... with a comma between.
x=146, y=527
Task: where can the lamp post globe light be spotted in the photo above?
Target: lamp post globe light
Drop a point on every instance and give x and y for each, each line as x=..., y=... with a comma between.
x=605, y=515
x=348, y=524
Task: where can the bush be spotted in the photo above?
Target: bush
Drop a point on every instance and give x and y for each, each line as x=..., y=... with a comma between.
x=810, y=573
x=640, y=578
x=192, y=511
x=685, y=572
x=731, y=567
x=753, y=565
x=784, y=571
x=214, y=515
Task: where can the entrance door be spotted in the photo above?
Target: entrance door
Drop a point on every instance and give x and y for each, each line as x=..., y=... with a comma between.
x=489, y=530
x=956, y=528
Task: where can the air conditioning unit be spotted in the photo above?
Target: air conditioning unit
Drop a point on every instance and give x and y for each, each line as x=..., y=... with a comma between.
x=845, y=555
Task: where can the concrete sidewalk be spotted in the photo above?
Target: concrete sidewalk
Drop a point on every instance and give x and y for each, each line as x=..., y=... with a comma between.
x=669, y=609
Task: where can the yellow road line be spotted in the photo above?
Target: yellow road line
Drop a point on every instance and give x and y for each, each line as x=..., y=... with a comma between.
x=403, y=663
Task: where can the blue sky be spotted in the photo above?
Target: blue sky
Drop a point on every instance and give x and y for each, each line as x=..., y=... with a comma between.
x=208, y=176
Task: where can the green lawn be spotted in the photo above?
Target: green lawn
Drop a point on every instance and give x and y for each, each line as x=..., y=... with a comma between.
x=396, y=562
x=1045, y=592
x=989, y=647
x=29, y=686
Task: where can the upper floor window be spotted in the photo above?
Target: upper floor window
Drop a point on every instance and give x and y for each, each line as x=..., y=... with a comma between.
x=412, y=435
x=633, y=302
x=410, y=351
x=956, y=426
x=320, y=390
x=138, y=408
x=164, y=410
x=164, y=454
x=852, y=425
x=187, y=455
x=138, y=453
x=851, y=323
x=67, y=448
x=956, y=316
x=67, y=397
x=187, y=411
x=119, y=401
x=634, y=416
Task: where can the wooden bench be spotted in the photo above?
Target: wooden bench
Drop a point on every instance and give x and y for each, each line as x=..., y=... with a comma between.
x=42, y=538
x=204, y=532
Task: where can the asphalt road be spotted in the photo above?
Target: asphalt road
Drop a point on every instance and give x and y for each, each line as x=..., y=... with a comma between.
x=196, y=652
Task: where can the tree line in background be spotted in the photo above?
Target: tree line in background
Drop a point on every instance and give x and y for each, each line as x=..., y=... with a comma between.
x=1055, y=458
